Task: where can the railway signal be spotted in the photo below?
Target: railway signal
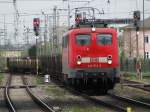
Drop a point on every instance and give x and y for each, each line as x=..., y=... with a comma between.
x=36, y=28
x=136, y=17
x=36, y=25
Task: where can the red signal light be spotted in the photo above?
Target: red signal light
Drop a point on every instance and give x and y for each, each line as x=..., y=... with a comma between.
x=36, y=25
x=136, y=15
x=36, y=22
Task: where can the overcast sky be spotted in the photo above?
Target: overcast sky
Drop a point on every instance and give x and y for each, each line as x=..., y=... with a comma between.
x=114, y=9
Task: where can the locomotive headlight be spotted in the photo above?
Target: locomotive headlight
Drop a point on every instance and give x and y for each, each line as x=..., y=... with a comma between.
x=79, y=60
x=93, y=29
x=109, y=61
x=109, y=58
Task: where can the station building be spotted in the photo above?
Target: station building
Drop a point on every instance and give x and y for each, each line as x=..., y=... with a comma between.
x=136, y=43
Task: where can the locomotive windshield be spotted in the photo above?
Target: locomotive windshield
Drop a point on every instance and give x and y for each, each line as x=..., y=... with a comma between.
x=104, y=39
x=83, y=39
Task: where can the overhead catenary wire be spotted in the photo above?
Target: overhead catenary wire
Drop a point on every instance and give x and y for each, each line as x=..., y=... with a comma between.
x=28, y=14
x=6, y=23
x=41, y=0
x=6, y=2
x=50, y=14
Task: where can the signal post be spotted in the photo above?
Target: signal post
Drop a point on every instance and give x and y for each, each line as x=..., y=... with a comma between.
x=136, y=16
x=36, y=28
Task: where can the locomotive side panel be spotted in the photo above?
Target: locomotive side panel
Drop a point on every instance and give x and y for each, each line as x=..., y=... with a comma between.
x=65, y=56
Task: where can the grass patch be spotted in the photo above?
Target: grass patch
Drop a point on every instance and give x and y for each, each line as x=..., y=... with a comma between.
x=128, y=92
x=76, y=103
x=83, y=109
x=71, y=103
x=1, y=78
x=39, y=80
x=133, y=76
x=57, y=92
x=130, y=74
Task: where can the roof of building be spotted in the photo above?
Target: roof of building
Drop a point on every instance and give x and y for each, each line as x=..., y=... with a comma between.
x=146, y=24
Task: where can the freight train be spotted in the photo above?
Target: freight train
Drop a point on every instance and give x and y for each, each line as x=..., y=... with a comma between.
x=88, y=57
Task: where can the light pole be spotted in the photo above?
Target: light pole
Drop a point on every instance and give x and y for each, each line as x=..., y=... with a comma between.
x=68, y=13
x=137, y=45
x=27, y=36
x=143, y=32
x=45, y=30
x=4, y=30
x=37, y=65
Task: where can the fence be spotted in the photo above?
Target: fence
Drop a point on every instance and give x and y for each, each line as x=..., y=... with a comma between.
x=129, y=65
x=3, y=63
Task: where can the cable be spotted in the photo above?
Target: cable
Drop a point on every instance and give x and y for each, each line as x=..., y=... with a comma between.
x=5, y=2
x=42, y=0
x=6, y=23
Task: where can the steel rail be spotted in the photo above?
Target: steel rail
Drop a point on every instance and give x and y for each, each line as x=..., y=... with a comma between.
x=100, y=102
x=35, y=98
x=97, y=101
x=7, y=97
x=145, y=88
x=90, y=98
x=129, y=100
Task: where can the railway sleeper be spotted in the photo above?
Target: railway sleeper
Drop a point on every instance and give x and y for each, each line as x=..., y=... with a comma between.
x=18, y=86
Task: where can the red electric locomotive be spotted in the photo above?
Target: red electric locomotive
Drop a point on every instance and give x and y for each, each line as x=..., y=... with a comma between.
x=90, y=57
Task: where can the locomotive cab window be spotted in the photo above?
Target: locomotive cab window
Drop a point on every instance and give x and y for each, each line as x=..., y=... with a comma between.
x=83, y=40
x=104, y=39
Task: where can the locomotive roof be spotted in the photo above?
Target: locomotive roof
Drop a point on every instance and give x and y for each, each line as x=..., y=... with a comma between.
x=90, y=30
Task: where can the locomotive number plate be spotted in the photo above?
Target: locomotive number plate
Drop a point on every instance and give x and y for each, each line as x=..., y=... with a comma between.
x=103, y=59
x=85, y=60
x=94, y=59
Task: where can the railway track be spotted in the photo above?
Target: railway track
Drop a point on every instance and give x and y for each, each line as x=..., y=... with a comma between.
x=115, y=102
x=15, y=105
x=109, y=100
x=130, y=100
x=134, y=84
x=9, y=103
x=36, y=98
